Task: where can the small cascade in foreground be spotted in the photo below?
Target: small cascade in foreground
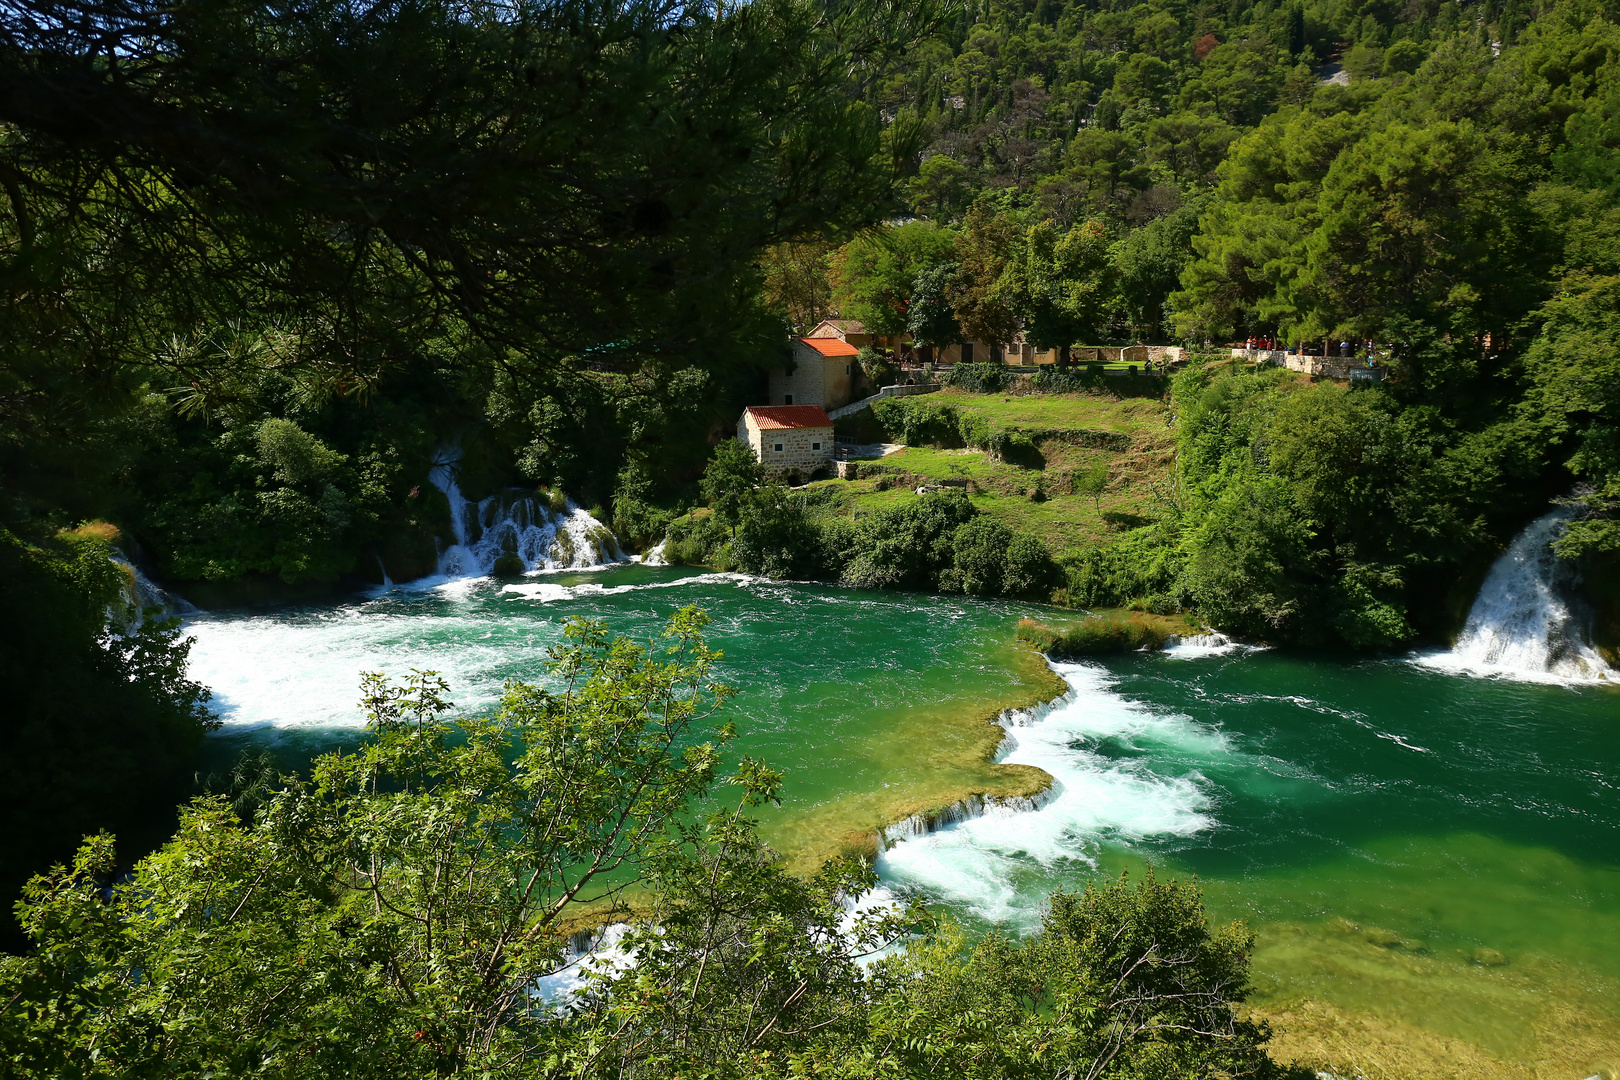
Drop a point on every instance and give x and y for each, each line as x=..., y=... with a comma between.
x=1526, y=620
x=535, y=532
x=974, y=806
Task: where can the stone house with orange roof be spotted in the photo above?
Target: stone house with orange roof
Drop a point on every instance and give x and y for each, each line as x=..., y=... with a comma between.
x=788, y=438
x=822, y=373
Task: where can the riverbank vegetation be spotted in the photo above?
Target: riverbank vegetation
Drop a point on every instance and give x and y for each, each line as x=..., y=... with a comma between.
x=101, y=723
x=1105, y=631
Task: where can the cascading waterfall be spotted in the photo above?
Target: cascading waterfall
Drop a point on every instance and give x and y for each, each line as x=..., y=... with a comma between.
x=1526, y=620
x=540, y=533
x=142, y=595
x=974, y=806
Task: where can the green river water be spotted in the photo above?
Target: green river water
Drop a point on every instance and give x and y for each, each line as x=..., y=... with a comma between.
x=1431, y=860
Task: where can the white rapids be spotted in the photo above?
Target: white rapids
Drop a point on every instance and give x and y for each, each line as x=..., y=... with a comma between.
x=1120, y=772
x=1526, y=622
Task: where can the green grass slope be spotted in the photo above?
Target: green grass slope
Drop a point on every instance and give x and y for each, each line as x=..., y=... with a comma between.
x=1089, y=465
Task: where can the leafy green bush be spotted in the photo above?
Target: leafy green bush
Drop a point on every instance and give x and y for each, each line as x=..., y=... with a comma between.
x=776, y=536
x=918, y=421
x=284, y=503
x=907, y=547
x=989, y=559
x=876, y=369
x=1077, y=378
x=1143, y=562
x=637, y=523
x=978, y=378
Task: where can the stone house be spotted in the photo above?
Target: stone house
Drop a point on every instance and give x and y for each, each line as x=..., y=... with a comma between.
x=823, y=374
x=854, y=332
x=786, y=439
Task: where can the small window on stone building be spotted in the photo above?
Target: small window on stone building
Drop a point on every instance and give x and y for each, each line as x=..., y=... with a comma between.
x=846, y=369
x=815, y=446
x=787, y=399
x=777, y=447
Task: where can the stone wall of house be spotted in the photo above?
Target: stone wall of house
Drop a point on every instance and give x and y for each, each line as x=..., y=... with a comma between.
x=837, y=380
x=803, y=386
x=827, y=381
x=804, y=450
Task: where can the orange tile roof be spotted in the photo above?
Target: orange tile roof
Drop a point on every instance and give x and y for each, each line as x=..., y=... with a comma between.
x=830, y=346
x=769, y=417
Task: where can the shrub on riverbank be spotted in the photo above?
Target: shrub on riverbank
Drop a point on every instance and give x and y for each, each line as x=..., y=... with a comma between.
x=977, y=378
x=1105, y=632
x=937, y=542
x=100, y=727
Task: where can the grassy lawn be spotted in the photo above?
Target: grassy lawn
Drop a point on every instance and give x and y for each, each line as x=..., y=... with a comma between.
x=1041, y=500
x=1089, y=412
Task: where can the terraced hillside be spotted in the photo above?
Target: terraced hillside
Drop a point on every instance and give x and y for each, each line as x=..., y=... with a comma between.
x=1073, y=469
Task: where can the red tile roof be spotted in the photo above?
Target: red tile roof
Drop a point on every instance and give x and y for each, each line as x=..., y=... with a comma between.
x=830, y=346
x=769, y=417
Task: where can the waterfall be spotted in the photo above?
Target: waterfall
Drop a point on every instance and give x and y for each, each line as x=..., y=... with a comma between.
x=141, y=595
x=1526, y=620
x=656, y=556
x=536, y=532
x=974, y=806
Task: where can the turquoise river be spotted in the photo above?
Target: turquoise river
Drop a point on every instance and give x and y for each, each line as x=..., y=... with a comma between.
x=1431, y=859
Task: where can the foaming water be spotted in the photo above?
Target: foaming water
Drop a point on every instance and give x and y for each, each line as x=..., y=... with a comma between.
x=1122, y=772
x=299, y=669
x=601, y=953
x=547, y=592
x=540, y=533
x=1525, y=623
x=1198, y=646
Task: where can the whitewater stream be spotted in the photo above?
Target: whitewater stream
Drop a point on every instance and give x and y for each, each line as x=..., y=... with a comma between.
x=1427, y=845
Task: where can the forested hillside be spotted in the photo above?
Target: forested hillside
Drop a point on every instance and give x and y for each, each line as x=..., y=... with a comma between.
x=1430, y=187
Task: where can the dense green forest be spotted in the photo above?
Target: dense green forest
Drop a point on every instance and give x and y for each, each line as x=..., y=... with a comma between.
x=261, y=263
